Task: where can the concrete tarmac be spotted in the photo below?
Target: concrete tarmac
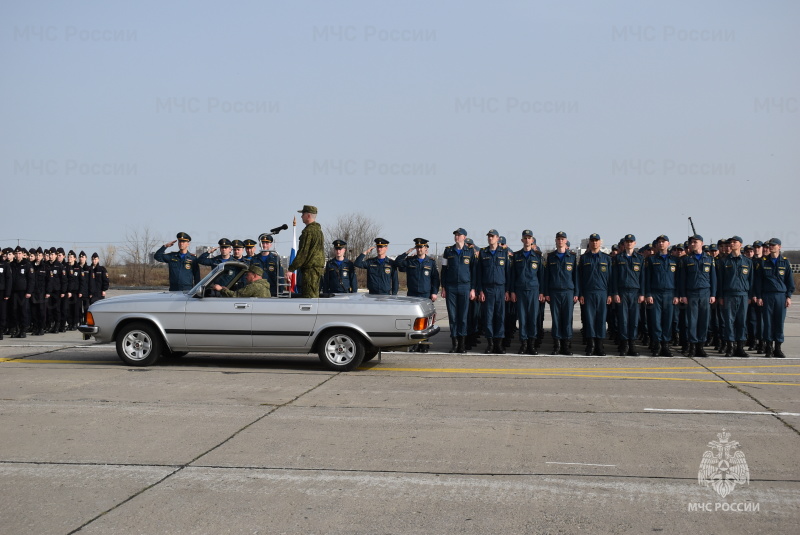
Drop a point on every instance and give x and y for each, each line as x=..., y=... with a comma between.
x=410, y=443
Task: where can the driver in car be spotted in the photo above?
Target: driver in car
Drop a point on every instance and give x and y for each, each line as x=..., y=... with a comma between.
x=256, y=286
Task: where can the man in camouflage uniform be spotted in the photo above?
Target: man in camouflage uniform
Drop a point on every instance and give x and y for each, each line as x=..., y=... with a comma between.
x=310, y=259
x=255, y=287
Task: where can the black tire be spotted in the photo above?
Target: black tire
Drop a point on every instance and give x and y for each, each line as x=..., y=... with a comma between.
x=341, y=350
x=370, y=354
x=139, y=344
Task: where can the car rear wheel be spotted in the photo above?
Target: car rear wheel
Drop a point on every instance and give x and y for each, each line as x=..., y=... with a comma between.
x=341, y=351
x=139, y=344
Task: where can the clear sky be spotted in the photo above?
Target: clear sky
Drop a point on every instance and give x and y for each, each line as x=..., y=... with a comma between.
x=225, y=118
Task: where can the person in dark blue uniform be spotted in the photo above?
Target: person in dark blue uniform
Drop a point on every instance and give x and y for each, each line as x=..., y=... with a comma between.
x=660, y=282
x=697, y=289
x=561, y=291
x=269, y=261
x=382, y=276
x=680, y=333
x=714, y=328
x=774, y=289
x=753, y=318
x=734, y=291
x=249, y=250
x=511, y=307
x=527, y=272
x=716, y=309
x=595, y=273
x=474, y=307
x=184, y=271
x=422, y=277
x=492, y=288
x=340, y=273
x=225, y=247
x=754, y=331
x=628, y=293
x=458, y=286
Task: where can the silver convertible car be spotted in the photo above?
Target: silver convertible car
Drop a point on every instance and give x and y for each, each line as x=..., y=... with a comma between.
x=343, y=329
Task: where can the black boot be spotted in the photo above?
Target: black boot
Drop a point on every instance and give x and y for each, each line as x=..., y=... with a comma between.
x=454, y=340
x=690, y=351
x=623, y=348
x=599, y=350
x=489, y=346
x=470, y=342
x=556, y=346
x=751, y=343
x=760, y=347
x=665, y=350
x=632, y=349
x=778, y=352
x=717, y=343
x=589, y=346
x=739, y=350
x=728, y=349
x=654, y=347
x=699, y=351
x=523, y=348
x=532, y=348
x=498, y=346
x=566, y=347
x=768, y=349
x=460, y=348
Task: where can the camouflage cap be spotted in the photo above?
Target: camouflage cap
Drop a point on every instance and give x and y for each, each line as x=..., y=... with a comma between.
x=308, y=209
x=253, y=268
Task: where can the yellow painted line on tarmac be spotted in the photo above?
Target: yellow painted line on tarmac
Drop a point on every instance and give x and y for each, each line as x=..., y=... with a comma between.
x=23, y=360
x=590, y=374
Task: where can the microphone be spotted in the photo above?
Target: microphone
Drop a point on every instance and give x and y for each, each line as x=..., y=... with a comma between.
x=278, y=229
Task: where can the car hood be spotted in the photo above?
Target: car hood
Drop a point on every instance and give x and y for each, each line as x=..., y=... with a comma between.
x=140, y=298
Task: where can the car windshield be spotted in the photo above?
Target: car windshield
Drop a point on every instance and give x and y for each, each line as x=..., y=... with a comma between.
x=226, y=274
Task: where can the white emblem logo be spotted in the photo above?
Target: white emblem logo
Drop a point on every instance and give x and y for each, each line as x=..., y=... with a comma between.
x=723, y=467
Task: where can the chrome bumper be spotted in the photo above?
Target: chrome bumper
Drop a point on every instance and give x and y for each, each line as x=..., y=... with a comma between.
x=427, y=333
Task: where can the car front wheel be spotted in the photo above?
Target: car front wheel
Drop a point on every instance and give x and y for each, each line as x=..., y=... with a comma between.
x=341, y=351
x=138, y=344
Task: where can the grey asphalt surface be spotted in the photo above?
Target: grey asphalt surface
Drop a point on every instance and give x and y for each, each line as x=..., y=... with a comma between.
x=411, y=443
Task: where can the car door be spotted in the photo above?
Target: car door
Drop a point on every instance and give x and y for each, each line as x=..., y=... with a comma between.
x=283, y=323
x=219, y=322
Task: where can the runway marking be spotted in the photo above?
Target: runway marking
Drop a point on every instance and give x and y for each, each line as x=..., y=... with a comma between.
x=596, y=373
x=583, y=464
x=23, y=360
x=703, y=411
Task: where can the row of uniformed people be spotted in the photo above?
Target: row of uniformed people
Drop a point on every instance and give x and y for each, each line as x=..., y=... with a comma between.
x=714, y=295
x=659, y=282
x=494, y=277
x=46, y=290
x=184, y=266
